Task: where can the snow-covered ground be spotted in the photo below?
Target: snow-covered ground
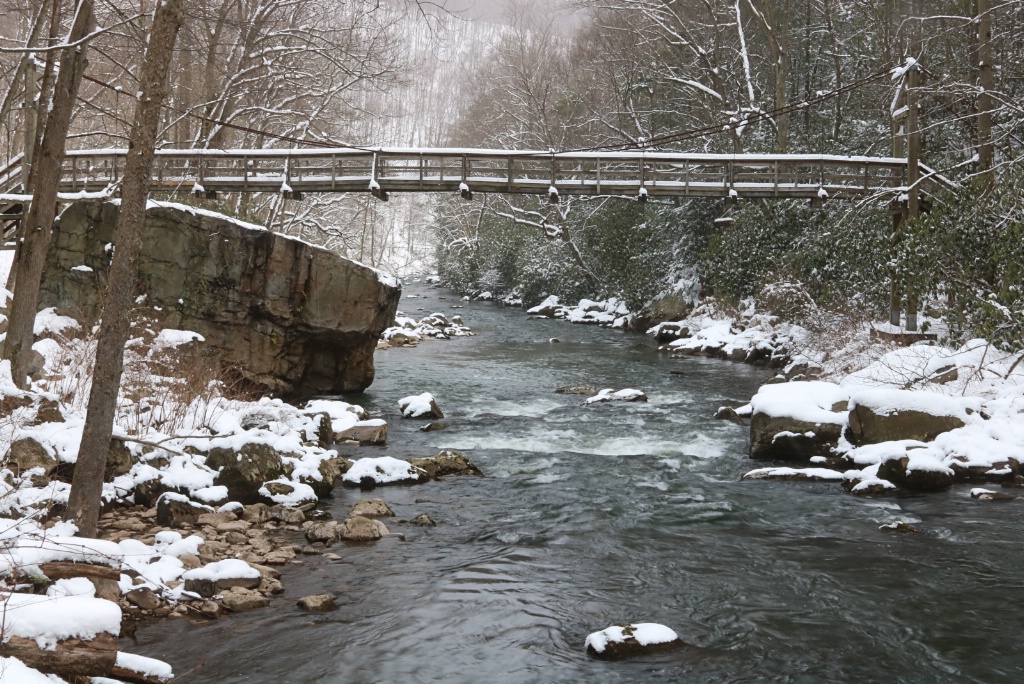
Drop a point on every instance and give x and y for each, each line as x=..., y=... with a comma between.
x=169, y=432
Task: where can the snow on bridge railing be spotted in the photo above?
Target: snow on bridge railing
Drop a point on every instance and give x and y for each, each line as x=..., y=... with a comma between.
x=393, y=169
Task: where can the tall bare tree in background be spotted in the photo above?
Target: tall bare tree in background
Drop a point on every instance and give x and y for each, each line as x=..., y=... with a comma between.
x=43, y=181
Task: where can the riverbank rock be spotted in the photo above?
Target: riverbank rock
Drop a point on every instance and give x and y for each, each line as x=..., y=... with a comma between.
x=239, y=599
x=361, y=529
x=244, y=471
x=797, y=421
x=886, y=415
x=321, y=603
x=446, y=463
x=420, y=406
x=372, y=472
x=287, y=316
x=627, y=641
x=323, y=532
x=918, y=470
x=365, y=432
x=214, y=578
x=26, y=454
x=177, y=510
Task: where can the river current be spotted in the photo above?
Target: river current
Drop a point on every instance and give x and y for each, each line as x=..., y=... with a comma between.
x=593, y=516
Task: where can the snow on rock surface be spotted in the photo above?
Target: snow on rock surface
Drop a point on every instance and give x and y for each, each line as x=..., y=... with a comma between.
x=49, y=619
x=608, y=395
x=382, y=471
x=231, y=568
x=13, y=671
x=29, y=551
x=150, y=668
x=420, y=406
x=623, y=641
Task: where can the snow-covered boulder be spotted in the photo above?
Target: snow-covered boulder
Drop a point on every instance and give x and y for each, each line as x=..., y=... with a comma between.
x=135, y=668
x=243, y=471
x=288, y=492
x=609, y=395
x=371, y=472
x=626, y=641
x=226, y=574
x=177, y=510
x=917, y=469
x=885, y=415
x=420, y=406
x=65, y=635
x=798, y=420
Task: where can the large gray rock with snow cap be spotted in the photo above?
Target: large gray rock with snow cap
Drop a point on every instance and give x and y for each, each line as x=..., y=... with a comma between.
x=285, y=315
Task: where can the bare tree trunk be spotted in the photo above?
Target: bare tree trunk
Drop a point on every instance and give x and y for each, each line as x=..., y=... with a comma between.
x=44, y=183
x=986, y=83
x=87, y=485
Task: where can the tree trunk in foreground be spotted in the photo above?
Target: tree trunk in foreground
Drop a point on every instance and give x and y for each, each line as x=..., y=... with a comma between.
x=87, y=485
x=43, y=185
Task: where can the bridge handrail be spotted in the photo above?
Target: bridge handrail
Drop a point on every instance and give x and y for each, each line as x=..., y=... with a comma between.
x=410, y=153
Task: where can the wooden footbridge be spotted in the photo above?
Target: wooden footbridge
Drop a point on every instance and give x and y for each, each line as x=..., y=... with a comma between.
x=638, y=174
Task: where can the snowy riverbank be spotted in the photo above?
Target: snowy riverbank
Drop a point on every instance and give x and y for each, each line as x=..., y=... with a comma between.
x=205, y=497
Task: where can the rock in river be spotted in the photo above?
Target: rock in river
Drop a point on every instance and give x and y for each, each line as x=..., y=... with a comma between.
x=626, y=641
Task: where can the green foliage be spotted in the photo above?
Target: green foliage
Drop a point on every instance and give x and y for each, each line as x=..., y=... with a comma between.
x=968, y=254
x=839, y=257
x=626, y=249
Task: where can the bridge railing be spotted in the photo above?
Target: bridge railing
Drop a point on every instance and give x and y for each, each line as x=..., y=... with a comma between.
x=442, y=170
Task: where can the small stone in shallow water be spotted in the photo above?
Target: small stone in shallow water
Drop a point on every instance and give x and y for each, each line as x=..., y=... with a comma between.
x=423, y=520
x=898, y=526
x=577, y=389
x=433, y=427
x=317, y=604
x=988, y=495
x=372, y=508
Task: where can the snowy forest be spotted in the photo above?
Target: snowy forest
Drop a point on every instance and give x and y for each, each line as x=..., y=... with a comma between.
x=701, y=76
x=754, y=76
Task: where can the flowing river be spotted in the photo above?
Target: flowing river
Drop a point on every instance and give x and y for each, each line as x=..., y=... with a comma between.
x=592, y=516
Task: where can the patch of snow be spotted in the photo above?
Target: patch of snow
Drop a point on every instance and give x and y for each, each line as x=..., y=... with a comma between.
x=382, y=470
x=50, y=619
x=231, y=568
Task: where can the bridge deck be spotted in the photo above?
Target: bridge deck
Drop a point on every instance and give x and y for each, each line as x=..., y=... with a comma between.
x=385, y=170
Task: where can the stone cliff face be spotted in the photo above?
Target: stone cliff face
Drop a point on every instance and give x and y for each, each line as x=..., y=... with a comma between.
x=290, y=317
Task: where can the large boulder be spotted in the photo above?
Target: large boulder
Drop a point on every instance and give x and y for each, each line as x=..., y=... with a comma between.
x=796, y=421
x=289, y=317
x=887, y=415
x=245, y=471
